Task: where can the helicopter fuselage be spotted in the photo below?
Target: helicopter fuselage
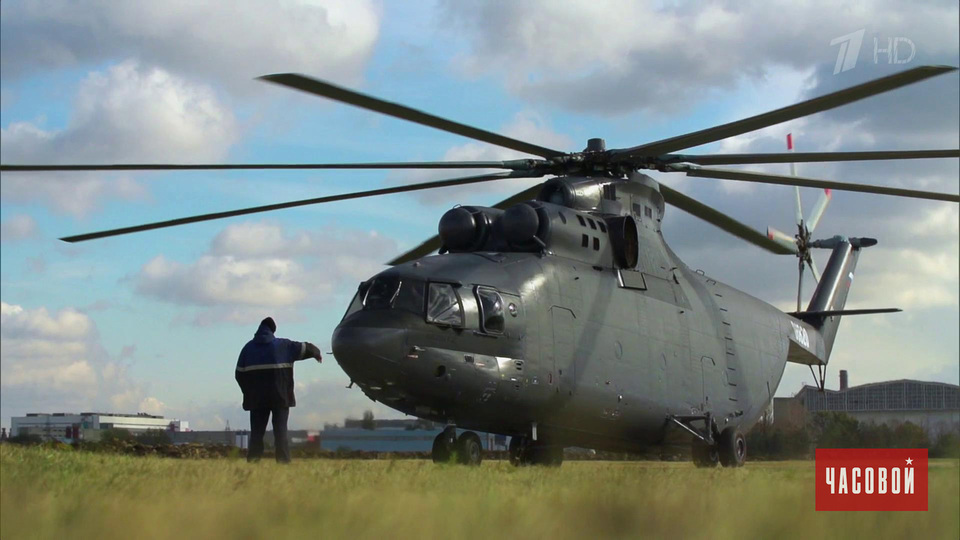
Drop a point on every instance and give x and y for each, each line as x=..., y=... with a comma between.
x=590, y=354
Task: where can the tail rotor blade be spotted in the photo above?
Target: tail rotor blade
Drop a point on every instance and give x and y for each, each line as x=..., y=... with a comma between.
x=818, y=209
x=813, y=269
x=782, y=238
x=793, y=172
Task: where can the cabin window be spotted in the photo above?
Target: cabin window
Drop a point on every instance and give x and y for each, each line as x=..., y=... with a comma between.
x=647, y=211
x=603, y=228
x=491, y=310
x=596, y=244
x=443, y=305
x=563, y=218
x=582, y=222
x=585, y=241
x=593, y=224
x=382, y=291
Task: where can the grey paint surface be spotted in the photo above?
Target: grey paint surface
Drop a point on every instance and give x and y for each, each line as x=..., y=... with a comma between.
x=589, y=357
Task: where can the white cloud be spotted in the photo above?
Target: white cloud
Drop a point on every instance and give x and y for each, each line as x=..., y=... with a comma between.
x=126, y=114
x=18, y=227
x=256, y=265
x=55, y=362
x=612, y=56
x=226, y=43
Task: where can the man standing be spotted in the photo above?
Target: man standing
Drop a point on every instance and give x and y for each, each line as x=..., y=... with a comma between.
x=265, y=375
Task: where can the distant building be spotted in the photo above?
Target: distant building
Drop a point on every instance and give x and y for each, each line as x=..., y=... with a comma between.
x=403, y=435
x=68, y=427
x=933, y=406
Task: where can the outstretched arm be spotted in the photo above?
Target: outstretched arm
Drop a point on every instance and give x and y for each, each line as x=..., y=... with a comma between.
x=310, y=350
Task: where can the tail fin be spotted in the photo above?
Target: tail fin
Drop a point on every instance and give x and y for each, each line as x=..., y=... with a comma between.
x=831, y=293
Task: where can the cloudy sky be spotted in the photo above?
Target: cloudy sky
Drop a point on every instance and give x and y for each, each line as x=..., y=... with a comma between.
x=153, y=322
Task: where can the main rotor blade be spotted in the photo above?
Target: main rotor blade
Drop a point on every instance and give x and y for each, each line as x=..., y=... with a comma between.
x=304, y=202
x=723, y=221
x=808, y=157
x=516, y=164
x=791, y=112
x=327, y=90
x=763, y=178
x=433, y=243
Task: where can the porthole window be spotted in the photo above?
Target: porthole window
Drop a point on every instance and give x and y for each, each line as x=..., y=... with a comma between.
x=491, y=310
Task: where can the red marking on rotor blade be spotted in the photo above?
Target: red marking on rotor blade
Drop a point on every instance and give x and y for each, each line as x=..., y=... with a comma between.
x=789, y=141
x=829, y=192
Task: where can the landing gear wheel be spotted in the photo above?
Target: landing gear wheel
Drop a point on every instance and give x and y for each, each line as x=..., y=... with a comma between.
x=443, y=445
x=469, y=449
x=523, y=451
x=704, y=455
x=517, y=451
x=733, y=447
x=551, y=456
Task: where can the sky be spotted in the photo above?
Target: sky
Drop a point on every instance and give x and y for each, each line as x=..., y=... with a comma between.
x=153, y=322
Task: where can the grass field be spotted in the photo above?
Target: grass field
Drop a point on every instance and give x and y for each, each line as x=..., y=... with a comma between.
x=65, y=494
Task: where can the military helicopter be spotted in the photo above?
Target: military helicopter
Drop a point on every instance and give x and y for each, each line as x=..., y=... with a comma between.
x=559, y=316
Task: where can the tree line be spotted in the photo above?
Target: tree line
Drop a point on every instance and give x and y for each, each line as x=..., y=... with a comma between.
x=840, y=430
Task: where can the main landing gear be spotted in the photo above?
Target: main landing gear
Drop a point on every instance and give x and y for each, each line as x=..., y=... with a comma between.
x=524, y=451
x=728, y=447
x=466, y=448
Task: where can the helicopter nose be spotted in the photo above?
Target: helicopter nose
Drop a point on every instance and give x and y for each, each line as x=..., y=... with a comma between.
x=369, y=355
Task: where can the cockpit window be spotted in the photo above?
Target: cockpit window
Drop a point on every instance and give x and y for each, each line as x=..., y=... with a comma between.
x=491, y=310
x=382, y=291
x=410, y=297
x=443, y=305
x=357, y=303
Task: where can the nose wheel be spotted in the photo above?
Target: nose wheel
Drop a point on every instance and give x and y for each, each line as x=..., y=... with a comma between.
x=465, y=449
x=444, y=445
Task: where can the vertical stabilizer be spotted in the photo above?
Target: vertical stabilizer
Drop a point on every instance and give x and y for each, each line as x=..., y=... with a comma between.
x=831, y=293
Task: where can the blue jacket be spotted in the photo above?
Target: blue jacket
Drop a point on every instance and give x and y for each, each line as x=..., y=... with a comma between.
x=265, y=370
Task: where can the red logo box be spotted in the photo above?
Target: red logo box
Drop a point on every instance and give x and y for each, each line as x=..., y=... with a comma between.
x=871, y=479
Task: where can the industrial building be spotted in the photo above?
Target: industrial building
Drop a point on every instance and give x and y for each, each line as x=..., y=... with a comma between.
x=68, y=427
x=934, y=406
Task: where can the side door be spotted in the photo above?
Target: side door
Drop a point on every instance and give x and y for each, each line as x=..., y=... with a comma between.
x=563, y=373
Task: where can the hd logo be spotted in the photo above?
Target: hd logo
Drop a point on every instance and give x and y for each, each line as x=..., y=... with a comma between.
x=871, y=479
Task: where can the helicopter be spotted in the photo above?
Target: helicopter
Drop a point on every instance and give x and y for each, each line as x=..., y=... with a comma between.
x=560, y=316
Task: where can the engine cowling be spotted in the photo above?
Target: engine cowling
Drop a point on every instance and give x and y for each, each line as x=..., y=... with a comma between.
x=467, y=228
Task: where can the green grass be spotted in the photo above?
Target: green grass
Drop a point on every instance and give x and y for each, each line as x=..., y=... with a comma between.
x=48, y=493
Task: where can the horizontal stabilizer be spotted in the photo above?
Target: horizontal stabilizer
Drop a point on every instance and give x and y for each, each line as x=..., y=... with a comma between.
x=803, y=315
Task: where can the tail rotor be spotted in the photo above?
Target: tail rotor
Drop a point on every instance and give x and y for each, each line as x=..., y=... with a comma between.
x=802, y=241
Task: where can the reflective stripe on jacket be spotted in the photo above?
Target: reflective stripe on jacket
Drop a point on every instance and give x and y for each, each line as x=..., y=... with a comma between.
x=265, y=370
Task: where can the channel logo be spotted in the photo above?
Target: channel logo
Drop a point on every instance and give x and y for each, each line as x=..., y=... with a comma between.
x=871, y=479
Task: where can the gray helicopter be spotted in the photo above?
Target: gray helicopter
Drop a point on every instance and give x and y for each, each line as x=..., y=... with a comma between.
x=560, y=317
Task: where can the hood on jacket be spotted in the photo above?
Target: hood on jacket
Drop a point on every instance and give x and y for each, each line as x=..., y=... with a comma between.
x=263, y=334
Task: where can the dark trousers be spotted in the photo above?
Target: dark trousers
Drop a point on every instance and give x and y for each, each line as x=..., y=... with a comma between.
x=258, y=426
